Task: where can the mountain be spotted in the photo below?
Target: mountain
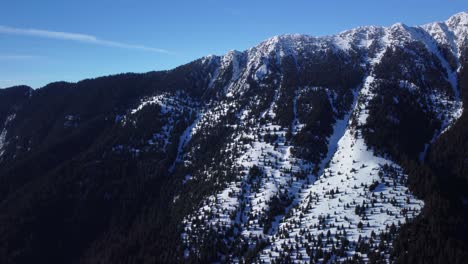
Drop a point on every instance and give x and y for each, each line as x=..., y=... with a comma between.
x=345, y=148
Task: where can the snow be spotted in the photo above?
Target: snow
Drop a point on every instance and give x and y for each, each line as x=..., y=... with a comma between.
x=296, y=124
x=353, y=167
x=232, y=59
x=261, y=72
x=439, y=34
x=187, y=178
x=163, y=100
x=2, y=141
x=339, y=129
x=184, y=140
x=71, y=121
x=458, y=24
x=173, y=109
x=349, y=165
x=366, y=96
x=4, y=132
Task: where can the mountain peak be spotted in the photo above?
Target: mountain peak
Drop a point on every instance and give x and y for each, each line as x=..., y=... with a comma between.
x=398, y=25
x=284, y=38
x=459, y=19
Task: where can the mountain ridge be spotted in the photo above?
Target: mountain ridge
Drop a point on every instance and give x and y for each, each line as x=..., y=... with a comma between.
x=452, y=22
x=300, y=149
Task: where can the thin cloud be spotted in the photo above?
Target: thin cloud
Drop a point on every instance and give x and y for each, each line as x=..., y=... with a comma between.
x=18, y=57
x=75, y=37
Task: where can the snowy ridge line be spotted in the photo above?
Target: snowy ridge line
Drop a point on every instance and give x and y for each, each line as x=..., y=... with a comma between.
x=453, y=32
x=438, y=33
x=167, y=101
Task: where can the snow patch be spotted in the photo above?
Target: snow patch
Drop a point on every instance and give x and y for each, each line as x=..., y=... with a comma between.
x=3, y=134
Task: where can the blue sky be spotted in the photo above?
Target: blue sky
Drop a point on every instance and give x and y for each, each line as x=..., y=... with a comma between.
x=52, y=40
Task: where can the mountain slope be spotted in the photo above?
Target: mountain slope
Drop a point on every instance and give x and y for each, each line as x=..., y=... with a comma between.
x=299, y=149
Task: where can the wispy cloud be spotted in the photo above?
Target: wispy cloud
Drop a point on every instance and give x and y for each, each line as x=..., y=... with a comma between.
x=76, y=37
x=18, y=57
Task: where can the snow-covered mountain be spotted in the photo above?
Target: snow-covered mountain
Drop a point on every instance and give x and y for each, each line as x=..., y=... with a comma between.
x=296, y=150
x=346, y=190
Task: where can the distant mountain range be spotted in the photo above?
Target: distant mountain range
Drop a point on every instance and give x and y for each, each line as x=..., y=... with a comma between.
x=339, y=149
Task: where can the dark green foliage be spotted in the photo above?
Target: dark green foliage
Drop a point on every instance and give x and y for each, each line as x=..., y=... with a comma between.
x=439, y=234
x=398, y=126
x=315, y=111
x=12, y=99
